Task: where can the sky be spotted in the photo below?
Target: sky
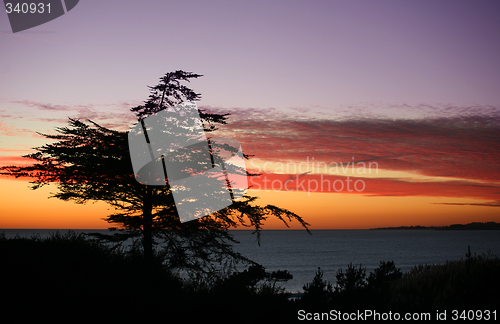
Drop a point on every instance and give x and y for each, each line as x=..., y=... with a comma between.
x=406, y=91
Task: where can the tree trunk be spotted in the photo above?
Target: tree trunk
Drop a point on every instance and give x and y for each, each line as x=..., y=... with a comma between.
x=147, y=215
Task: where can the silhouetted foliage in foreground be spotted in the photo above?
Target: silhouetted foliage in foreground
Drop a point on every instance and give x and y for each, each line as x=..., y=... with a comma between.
x=471, y=283
x=318, y=292
x=72, y=275
x=67, y=277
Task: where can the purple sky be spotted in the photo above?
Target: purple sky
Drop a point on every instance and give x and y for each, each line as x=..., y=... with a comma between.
x=260, y=53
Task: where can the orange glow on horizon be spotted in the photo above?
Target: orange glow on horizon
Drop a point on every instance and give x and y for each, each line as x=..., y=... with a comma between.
x=351, y=211
x=31, y=209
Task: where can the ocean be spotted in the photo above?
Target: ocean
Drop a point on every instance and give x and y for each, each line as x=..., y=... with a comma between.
x=301, y=253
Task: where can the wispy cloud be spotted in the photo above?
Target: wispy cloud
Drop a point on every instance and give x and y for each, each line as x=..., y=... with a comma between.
x=115, y=115
x=10, y=130
x=466, y=147
x=42, y=106
x=486, y=204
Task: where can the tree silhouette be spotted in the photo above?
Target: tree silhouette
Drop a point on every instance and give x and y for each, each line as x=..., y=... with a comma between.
x=318, y=292
x=350, y=281
x=381, y=276
x=89, y=162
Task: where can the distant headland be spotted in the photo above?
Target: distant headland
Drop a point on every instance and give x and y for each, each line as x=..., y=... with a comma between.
x=461, y=227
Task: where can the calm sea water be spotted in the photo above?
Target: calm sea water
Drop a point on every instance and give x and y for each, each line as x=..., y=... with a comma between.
x=301, y=253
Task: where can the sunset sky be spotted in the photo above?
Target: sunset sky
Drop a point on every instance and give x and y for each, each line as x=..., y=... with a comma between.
x=407, y=91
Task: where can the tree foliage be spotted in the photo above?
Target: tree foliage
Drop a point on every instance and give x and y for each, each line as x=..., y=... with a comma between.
x=385, y=273
x=319, y=291
x=353, y=279
x=168, y=93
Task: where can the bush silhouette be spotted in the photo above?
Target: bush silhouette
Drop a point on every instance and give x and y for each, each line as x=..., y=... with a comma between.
x=66, y=274
x=353, y=279
x=318, y=292
x=381, y=276
x=466, y=284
